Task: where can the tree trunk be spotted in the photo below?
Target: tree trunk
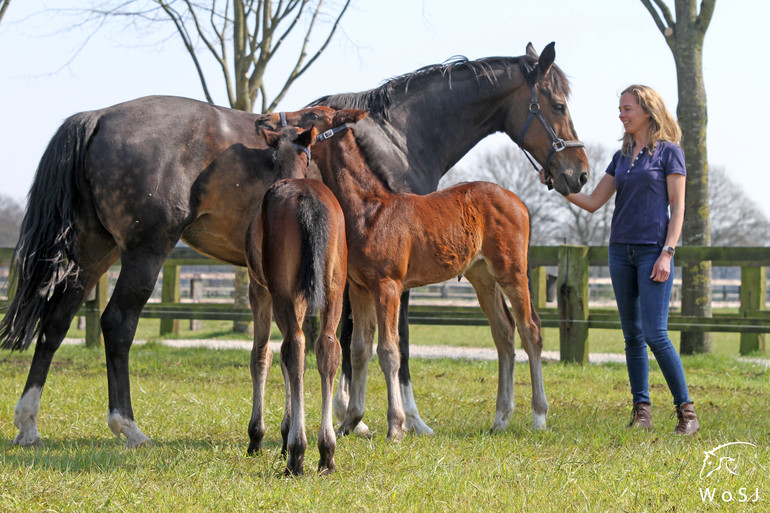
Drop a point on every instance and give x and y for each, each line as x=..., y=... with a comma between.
x=687, y=47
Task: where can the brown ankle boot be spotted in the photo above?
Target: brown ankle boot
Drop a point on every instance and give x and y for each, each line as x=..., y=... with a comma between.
x=641, y=417
x=688, y=421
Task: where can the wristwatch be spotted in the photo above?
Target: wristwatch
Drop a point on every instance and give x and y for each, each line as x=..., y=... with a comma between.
x=670, y=250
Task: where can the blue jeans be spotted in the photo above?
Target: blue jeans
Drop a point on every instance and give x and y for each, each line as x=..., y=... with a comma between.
x=643, y=308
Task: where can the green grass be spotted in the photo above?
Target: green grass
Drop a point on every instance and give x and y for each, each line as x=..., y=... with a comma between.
x=195, y=405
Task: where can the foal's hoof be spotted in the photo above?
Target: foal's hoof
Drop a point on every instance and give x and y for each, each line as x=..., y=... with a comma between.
x=28, y=441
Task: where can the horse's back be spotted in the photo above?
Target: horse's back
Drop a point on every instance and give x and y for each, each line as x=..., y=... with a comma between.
x=171, y=167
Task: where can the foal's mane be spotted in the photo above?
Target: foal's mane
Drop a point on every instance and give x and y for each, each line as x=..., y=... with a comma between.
x=378, y=100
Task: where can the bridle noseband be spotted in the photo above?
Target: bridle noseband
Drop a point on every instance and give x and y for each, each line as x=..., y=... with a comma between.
x=557, y=143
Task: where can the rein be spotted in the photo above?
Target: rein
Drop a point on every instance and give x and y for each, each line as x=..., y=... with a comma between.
x=557, y=143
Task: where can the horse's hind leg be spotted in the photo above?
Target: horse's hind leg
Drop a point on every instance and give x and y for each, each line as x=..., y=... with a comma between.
x=327, y=350
x=288, y=317
x=261, y=358
x=501, y=324
x=138, y=275
x=413, y=422
x=62, y=307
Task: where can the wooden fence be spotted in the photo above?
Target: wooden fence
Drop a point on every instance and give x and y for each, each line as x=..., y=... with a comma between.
x=571, y=315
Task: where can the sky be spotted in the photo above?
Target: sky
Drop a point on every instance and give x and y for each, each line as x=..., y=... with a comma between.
x=602, y=45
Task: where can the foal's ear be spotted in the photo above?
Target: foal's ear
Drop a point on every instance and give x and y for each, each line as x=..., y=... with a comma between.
x=349, y=116
x=545, y=61
x=271, y=137
x=307, y=137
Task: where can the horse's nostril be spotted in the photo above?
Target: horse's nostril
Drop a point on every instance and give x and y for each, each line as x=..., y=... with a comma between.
x=583, y=179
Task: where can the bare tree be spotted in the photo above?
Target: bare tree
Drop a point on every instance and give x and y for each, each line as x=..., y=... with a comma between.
x=552, y=220
x=684, y=36
x=736, y=219
x=11, y=213
x=580, y=226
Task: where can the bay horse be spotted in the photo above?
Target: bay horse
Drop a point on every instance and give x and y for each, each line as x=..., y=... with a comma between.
x=129, y=181
x=397, y=241
x=297, y=258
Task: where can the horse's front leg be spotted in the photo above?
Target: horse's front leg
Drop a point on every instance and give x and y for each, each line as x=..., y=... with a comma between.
x=364, y=326
x=387, y=304
x=261, y=358
x=342, y=397
x=413, y=422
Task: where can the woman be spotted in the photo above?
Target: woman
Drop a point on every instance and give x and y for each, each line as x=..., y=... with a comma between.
x=648, y=174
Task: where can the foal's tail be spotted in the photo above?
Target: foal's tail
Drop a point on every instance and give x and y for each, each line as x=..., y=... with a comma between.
x=314, y=225
x=43, y=257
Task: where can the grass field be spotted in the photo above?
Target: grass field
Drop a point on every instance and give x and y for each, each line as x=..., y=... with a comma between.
x=195, y=405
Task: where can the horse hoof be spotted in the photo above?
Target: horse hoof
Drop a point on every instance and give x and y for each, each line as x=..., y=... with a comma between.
x=362, y=429
x=538, y=422
x=326, y=469
x=136, y=443
x=418, y=427
x=28, y=441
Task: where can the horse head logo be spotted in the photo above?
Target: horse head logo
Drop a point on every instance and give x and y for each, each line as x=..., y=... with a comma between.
x=717, y=459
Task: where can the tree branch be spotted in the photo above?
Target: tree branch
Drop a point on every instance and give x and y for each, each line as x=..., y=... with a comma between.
x=300, y=70
x=704, y=17
x=4, y=7
x=182, y=30
x=666, y=27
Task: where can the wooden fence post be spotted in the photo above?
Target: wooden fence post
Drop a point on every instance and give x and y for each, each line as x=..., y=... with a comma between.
x=572, y=300
x=170, y=294
x=753, y=292
x=196, y=294
x=538, y=281
x=95, y=305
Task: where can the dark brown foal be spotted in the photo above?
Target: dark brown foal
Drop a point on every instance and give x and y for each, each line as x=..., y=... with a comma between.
x=297, y=256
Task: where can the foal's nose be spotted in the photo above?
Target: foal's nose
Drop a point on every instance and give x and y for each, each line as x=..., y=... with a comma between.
x=583, y=179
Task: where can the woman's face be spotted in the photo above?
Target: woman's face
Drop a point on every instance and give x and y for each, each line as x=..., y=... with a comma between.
x=635, y=120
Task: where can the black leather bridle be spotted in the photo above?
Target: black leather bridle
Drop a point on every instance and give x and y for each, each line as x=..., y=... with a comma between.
x=557, y=143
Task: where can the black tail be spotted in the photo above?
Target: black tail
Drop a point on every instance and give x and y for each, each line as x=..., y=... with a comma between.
x=43, y=257
x=314, y=224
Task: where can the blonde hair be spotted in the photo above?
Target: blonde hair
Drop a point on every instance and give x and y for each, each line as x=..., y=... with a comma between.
x=662, y=125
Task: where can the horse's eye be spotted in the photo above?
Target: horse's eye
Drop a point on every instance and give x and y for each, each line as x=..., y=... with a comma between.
x=560, y=108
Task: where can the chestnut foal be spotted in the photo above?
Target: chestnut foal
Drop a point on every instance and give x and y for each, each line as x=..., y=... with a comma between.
x=297, y=256
x=397, y=241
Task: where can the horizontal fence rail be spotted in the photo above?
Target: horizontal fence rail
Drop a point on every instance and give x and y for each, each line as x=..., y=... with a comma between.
x=560, y=283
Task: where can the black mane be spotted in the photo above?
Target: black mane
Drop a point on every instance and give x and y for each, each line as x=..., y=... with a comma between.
x=378, y=100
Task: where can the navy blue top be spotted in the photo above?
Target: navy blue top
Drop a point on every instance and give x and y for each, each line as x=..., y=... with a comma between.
x=641, y=202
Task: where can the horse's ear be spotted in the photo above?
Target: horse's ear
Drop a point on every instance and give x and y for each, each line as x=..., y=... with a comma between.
x=531, y=52
x=545, y=61
x=306, y=137
x=349, y=115
x=271, y=137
